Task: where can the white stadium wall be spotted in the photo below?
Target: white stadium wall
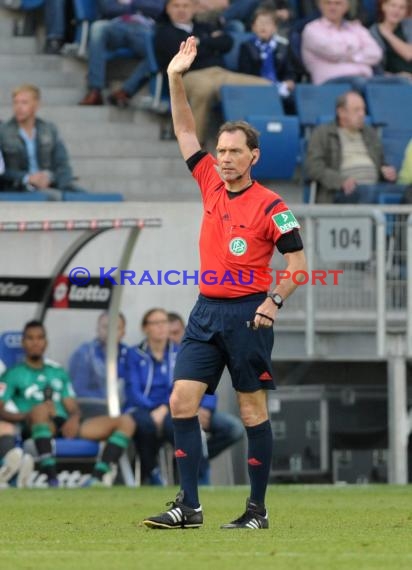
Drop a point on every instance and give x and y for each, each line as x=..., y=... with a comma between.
x=34, y=254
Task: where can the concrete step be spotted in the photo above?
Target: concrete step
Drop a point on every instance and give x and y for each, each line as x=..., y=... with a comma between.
x=118, y=147
x=94, y=131
x=33, y=62
x=145, y=189
x=62, y=96
x=127, y=168
x=6, y=26
x=41, y=78
x=81, y=114
x=17, y=46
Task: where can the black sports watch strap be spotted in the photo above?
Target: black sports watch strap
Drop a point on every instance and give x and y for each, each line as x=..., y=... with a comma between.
x=277, y=299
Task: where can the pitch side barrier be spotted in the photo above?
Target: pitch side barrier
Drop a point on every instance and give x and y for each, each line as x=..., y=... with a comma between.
x=54, y=291
x=372, y=246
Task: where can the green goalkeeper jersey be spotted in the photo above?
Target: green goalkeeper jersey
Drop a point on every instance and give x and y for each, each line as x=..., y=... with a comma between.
x=25, y=386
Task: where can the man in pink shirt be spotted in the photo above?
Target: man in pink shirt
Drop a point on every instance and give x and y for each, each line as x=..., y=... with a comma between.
x=334, y=47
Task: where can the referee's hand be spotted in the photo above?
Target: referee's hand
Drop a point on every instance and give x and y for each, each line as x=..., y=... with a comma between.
x=265, y=315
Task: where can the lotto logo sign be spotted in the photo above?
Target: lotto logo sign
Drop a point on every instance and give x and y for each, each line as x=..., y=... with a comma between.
x=60, y=299
x=285, y=221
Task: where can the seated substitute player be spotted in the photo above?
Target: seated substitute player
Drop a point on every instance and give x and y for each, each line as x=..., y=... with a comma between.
x=45, y=406
x=242, y=223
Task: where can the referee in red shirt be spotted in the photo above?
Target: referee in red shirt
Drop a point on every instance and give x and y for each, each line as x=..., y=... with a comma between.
x=242, y=223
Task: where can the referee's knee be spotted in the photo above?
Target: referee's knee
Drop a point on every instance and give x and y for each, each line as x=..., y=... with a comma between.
x=184, y=402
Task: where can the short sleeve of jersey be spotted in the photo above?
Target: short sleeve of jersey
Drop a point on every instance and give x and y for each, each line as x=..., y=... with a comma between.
x=6, y=387
x=281, y=221
x=206, y=175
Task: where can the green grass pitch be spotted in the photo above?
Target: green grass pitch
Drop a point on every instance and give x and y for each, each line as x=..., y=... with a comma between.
x=311, y=528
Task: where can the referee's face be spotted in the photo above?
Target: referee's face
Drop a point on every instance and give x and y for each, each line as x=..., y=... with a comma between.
x=234, y=157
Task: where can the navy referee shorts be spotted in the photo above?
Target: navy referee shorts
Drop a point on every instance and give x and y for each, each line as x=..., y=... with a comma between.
x=217, y=336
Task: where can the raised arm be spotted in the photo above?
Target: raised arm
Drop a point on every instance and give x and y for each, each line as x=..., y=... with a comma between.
x=183, y=121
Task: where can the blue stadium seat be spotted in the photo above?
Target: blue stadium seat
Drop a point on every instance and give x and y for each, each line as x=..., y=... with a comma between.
x=23, y=197
x=390, y=105
x=92, y=197
x=314, y=101
x=238, y=101
x=28, y=5
x=279, y=146
x=394, y=146
x=231, y=58
x=76, y=448
x=11, y=351
x=85, y=12
x=370, y=8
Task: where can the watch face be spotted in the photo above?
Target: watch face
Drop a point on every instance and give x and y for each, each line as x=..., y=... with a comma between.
x=277, y=299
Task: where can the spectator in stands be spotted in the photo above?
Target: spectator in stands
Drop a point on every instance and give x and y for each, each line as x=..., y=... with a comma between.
x=333, y=47
x=87, y=367
x=356, y=10
x=346, y=153
x=405, y=173
x=38, y=396
x=148, y=383
x=223, y=12
x=267, y=55
x=394, y=35
x=126, y=24
x=221, y=428
x=35, y=156
x=55, y=24
x=207, y=74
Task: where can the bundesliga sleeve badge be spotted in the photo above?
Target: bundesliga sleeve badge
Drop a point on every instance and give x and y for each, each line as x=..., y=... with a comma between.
x=285, y=221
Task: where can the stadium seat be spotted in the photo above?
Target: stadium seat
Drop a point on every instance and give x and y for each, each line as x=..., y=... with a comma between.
x=279, y=146
x=239, y=101
x=370, y=9
x=394, y=146
x=314, y=101
x=23, y=197
x=390, y=105
x=76, y=448
x=11, y=351
x=28, y=5
x=231, y=58
x=85, y=12
x=92, y=197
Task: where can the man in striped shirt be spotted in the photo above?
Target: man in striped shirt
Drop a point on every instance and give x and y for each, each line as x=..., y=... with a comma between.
x=346, y=154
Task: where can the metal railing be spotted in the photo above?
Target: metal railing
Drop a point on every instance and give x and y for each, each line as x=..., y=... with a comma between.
x=369, y=253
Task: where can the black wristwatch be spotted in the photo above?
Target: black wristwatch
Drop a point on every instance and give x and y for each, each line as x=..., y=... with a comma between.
x=277, y=299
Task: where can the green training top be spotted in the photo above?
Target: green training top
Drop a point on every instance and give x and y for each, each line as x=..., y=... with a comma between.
x=25, y=386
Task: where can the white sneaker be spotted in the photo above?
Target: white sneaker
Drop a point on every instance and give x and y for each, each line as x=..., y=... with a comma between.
x=11, y=465
x=25, y=472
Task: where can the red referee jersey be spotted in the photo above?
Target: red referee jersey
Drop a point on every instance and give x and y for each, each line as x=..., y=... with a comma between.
x=237, y=236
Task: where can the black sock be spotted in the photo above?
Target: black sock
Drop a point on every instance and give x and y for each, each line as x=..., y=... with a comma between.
x=259, y=459
x=7, y=442
x=115, y=446
x=42, y=436
x=188, y=451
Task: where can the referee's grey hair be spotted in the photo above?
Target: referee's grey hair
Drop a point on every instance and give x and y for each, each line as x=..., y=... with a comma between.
x=252, y=134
